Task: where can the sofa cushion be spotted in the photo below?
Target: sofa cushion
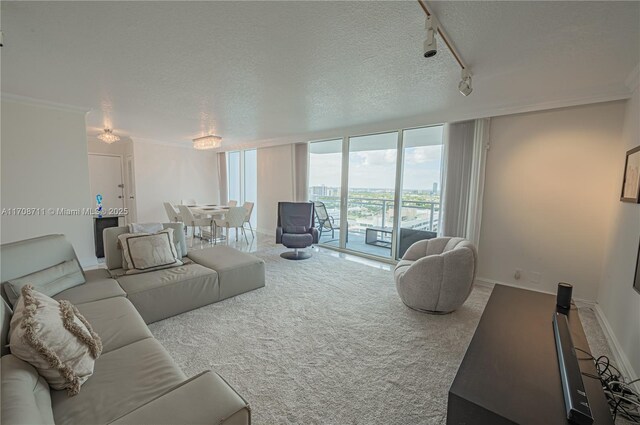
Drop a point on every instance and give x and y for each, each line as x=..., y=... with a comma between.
x=203, y=399
x=25, y=394
x=96, y=275
x=54, y=338
x=164, y=293
x=123, y=380
x=92, y=291
x=49, y=281
x=238, y=272
x=116, y=321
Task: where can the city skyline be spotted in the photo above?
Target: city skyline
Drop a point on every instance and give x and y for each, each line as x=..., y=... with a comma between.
x=376, y=169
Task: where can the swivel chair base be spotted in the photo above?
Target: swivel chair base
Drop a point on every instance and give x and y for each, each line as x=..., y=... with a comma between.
x=296, y=255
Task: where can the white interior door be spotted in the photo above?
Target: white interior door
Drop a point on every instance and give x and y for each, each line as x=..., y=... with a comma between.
x=130, y=189
x=105, y=174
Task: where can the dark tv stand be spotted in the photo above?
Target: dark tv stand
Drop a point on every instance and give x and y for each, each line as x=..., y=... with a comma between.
x=510, y=373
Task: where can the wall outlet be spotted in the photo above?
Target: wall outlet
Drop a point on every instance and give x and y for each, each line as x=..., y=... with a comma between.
x=518, y=274
x=535, y=277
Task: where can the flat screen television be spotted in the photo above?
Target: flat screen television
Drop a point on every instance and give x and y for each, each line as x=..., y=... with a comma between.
x=636, y=281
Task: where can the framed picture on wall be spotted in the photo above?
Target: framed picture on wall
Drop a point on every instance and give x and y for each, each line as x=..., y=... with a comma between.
x=636, y=282
x=631, y=179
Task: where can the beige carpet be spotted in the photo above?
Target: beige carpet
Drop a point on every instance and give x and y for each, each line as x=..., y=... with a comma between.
x=328, y=341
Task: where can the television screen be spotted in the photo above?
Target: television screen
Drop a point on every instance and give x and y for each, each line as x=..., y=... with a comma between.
x=636, y=282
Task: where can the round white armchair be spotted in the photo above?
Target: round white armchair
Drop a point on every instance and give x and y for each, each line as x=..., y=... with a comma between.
x=436, y=275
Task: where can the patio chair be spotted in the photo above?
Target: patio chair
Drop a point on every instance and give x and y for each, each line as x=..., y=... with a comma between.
x=325, y=221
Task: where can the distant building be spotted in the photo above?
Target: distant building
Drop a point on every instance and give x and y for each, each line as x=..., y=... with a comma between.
x=435, y=188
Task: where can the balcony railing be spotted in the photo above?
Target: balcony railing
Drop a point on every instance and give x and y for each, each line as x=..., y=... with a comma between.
x=378, y=212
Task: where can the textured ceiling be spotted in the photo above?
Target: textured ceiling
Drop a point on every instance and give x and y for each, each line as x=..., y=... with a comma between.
x=259, y=71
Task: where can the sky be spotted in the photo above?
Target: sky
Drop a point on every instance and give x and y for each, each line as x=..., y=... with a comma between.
x=376, y=169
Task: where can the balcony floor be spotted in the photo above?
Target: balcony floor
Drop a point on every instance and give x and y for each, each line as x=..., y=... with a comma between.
x=356, y=243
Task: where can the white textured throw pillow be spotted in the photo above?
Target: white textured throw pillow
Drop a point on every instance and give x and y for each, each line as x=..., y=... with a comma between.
x=145, y=252
x=54, y=338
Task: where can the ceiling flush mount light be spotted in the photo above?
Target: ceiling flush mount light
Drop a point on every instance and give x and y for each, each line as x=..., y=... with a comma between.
x=107, y=136
x=465, y=83
x=430, y=43
x=207, y=142
x=433, y=26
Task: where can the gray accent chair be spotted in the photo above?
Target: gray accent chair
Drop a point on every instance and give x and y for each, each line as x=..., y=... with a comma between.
x=295, y=228
x=437, y=275
x=135, y=381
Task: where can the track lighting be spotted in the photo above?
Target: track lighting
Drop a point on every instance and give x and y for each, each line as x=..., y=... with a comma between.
x=465, y=83
x=431, y=48
x=430, y=43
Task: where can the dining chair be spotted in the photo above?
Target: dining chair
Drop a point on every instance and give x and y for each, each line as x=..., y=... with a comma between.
x=234, y=217
x=189, y=202
x=172, y=214
x=232, y=203
x=190, y=220
x=248, y=206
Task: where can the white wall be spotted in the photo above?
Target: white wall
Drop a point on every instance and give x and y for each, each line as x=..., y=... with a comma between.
x=275, y=183
x=549, y=178
x=172, y=173
x=45, y=165
x=616, y=297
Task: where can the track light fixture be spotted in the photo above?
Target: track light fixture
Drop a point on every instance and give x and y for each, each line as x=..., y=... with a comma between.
x=431, y=48
x=430, y=43
x=465, y=83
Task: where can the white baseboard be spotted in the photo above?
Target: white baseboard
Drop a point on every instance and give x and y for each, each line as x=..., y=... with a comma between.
x=490, y=283
x=620, y=358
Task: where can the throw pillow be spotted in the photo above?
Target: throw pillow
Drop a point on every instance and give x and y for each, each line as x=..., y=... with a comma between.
x=55, y=339
x=50, y=281
x=145, y=252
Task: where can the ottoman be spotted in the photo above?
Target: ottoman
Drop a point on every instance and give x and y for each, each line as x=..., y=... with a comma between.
x=238, y=272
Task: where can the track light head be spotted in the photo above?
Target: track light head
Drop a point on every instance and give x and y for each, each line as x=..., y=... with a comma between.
x=465, y=83
x=430, y=43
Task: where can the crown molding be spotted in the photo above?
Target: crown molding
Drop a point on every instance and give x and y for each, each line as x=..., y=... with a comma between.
x=25, y=100
x=633, y=79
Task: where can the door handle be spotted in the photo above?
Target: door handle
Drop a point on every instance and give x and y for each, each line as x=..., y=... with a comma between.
x=130, y=197
x=119, y=196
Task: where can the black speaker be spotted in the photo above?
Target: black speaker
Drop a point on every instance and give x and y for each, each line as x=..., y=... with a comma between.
x=564, y=295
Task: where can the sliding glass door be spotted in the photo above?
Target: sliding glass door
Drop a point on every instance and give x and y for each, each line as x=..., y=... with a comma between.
x=421, y=186
x=325, y=170
x=372, y=176
x=377, y=194
x=242, y=177
x=250, y=179
x=233, y=176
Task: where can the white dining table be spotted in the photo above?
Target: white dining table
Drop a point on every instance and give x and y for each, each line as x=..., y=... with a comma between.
x=212, y=210
x=215, y=211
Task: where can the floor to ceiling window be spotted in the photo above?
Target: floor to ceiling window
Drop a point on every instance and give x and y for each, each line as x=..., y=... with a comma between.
x=421, y=186
x=383, y=169
x=242, y=178
x=233, y=175
x=372, y=176
x=325, y=170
